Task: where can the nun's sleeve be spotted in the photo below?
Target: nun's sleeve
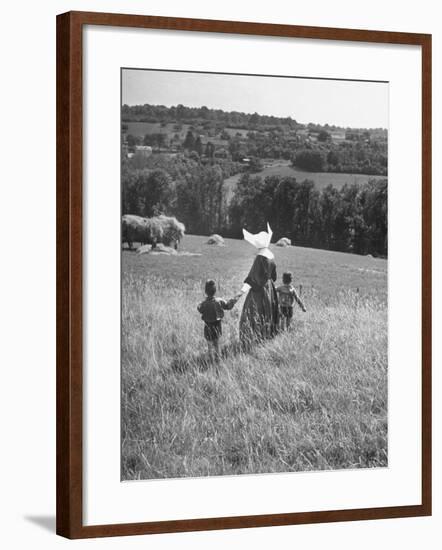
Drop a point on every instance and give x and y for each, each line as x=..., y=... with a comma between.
x=274, y=275
x=258, y=275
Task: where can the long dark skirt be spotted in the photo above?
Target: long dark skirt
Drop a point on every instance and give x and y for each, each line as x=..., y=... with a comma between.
x=260, y=316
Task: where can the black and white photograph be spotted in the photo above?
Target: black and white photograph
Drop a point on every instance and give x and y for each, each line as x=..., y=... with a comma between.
x=254, y=269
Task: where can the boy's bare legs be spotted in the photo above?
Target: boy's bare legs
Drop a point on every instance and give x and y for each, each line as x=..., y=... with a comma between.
x=216, y=349
x=211, y=350
x=214, y=355
x=288, y=320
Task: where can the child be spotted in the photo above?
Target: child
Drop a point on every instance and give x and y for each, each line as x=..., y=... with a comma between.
x=287, y=295
x=211, y=310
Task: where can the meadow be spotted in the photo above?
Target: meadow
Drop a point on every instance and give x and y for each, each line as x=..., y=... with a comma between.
x=313, y=398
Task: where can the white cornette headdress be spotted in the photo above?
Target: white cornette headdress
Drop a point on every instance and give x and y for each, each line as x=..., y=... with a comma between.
x=260, y=240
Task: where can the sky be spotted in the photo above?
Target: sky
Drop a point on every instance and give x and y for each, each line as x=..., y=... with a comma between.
x=343, y=103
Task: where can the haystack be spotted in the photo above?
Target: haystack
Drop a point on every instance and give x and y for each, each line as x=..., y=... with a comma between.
x=173, y=230
x=216, y=239
x=284, y=241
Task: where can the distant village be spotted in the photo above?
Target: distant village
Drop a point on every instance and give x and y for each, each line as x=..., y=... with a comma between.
x=253, y=139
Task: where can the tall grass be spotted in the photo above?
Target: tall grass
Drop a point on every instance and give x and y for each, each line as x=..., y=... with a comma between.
x=313, y=398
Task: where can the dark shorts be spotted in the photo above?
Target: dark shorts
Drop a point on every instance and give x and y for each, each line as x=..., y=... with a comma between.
x=287, y=311
x=212, y=331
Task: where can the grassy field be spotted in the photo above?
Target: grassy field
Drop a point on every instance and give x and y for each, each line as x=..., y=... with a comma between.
x=313, y=398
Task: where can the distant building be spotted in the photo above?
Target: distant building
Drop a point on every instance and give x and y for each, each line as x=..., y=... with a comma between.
x=145, y=150
x=337, y=136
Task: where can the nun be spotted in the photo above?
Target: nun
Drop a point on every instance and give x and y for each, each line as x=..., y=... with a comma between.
x=260, y=314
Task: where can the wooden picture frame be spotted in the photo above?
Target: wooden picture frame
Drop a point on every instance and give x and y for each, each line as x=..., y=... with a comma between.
x=70, y=273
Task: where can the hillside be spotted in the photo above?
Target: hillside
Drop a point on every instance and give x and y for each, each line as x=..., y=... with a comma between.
x=251, y=137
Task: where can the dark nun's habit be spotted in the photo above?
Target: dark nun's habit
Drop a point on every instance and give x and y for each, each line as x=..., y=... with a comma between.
x=259, y=317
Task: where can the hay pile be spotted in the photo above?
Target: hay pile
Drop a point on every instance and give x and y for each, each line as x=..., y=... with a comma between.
x=216, y=239
x=173, y=230
x=159, y=229
x=284, y=241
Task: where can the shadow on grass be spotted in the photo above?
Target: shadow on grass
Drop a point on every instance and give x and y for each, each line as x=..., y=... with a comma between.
x=203, y=362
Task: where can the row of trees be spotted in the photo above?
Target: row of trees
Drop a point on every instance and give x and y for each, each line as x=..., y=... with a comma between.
x=233, y=119
x=182, y=186
x=181, y=113
x=350, y=219
x=349, y=158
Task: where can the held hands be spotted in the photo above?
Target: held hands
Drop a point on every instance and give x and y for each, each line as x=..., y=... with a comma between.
x=239, y=294
x=233, y=300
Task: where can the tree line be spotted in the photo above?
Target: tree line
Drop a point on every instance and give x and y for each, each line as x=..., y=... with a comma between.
x=350, y=219
x=181, y=113
x=233, y=119
x=348, y=158
x=182, y=186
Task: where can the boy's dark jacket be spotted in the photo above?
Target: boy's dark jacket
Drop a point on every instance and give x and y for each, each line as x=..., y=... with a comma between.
x=212, y=308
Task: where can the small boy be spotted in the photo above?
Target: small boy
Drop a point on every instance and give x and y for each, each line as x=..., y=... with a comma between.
x=212, y=313
x=287, y=295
